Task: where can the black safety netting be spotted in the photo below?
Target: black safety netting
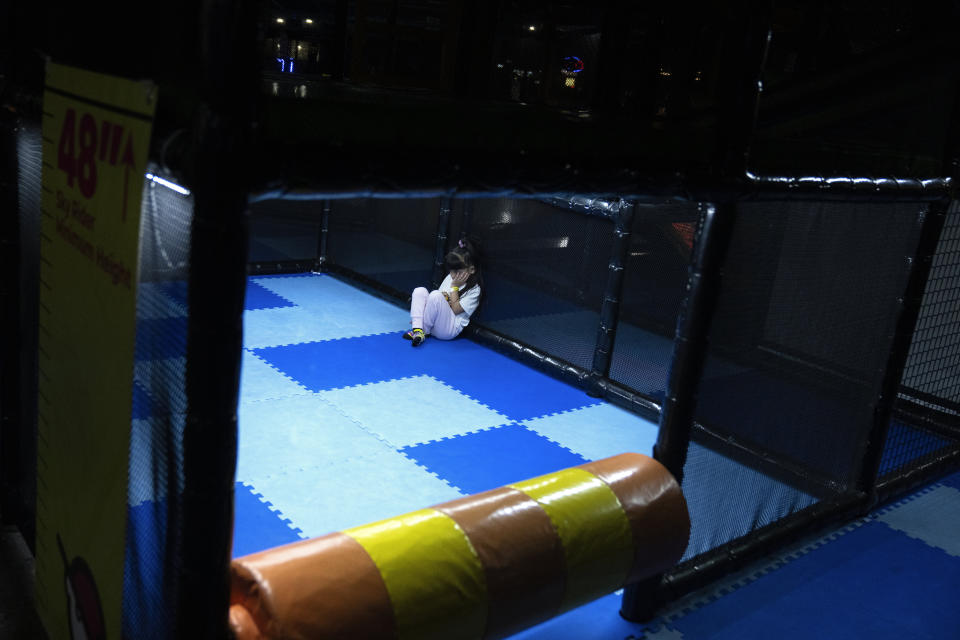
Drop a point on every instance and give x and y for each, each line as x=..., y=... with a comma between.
x=389, y=241
x=29, y=194
x=655, y=276
x=285, y=230
x=927, y=420
x=545, y=271
x=797, y=350
x=159, y=410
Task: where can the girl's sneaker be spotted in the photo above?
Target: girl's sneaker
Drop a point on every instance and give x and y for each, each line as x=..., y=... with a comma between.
x=418, y=337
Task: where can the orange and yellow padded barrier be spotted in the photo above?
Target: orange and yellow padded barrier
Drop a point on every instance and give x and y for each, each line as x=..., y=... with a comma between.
x=483, y=566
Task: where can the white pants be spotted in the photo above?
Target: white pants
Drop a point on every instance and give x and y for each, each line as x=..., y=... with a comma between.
x=431, y=312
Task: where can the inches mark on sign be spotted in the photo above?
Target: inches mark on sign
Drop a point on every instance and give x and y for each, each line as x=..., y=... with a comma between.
x=96, y=132
x=77, y=152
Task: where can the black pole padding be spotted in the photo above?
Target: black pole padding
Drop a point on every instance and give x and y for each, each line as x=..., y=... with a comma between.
x=440, y=252
x=610, y=309
x=930, y=222
x=694, y=319
x=714, y=232
x=222, y=143
x=324, y=230
x=744, y=57
x=628, y=399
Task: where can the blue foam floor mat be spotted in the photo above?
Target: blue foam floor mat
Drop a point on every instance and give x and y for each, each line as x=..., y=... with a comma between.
x=497, y=381
x=342, y=423
x=256, y=525
x=492, y=458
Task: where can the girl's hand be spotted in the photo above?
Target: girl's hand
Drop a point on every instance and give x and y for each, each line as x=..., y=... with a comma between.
x=459, y=277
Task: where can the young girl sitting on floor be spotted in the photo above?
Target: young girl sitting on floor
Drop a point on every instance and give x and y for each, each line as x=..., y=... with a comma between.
x=444, y=313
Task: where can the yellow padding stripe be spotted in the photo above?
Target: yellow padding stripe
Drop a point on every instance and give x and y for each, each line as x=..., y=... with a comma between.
x=432, y=573
x=593, y=528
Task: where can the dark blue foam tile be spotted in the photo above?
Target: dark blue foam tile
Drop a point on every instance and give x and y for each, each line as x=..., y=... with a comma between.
x=143, y=571
x=346, y=362
x=597, y=620
x=489, y=459
x=160, y=338
x=259, y=297
x=142, y=402
x=255, y=526
x=499, y=382
x=488, y=377
x=872, y=582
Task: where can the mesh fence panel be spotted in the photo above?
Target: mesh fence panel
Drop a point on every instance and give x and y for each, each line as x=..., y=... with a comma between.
x=930, y=385
x=29, y=162
x=932, y=373
x=390, y=241
x=545, y=271
x=800, y=339
x=655, y=274
x=284, y=230
x=158, y=416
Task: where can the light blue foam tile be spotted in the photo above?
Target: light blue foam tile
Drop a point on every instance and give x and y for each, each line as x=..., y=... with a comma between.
x=599, y=431
x=322, y=291
x=413, y=410
x=154, y=303
x=294, y=325
x=933, y=517
x=277, y=436
x=349, y=493
x=260, y=381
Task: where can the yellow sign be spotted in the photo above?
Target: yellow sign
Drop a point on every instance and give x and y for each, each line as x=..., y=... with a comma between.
x=96, y=134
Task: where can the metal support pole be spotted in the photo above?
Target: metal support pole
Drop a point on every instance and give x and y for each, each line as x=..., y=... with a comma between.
x=440, y=252
x=931, y=223
x=217, y=285
x=610, y=310
x=689, y=354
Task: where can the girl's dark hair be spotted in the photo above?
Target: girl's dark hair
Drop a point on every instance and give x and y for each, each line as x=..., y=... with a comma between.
x=465, y=255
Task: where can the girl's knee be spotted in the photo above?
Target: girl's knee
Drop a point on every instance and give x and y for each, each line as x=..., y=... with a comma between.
x=420, y=291
x=435, y=295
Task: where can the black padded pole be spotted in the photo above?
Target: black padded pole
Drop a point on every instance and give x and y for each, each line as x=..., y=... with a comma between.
x=693, y=326
x=610, y=309
x=217, y=283
x=930, y=221
x=440, y=251
x=714, y=231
